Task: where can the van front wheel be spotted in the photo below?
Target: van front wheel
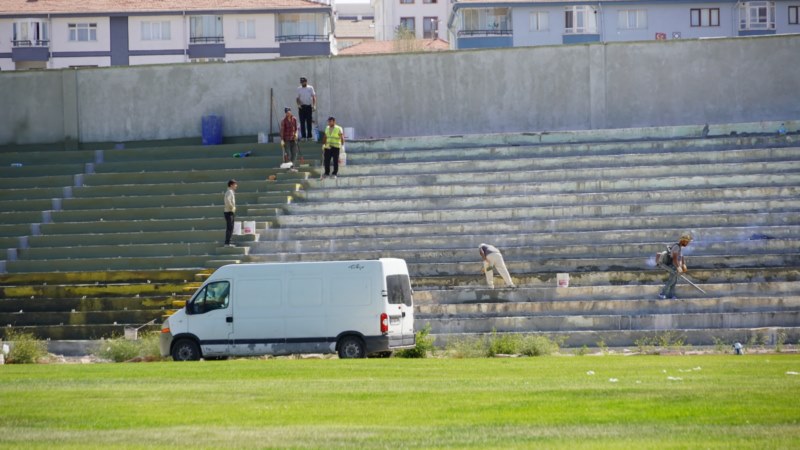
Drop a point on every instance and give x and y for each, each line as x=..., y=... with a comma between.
x=185, y=350
x=352, y=347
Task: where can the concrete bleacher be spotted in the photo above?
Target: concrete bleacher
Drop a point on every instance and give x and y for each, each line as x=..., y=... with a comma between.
x=96, y=240
x=596, y=210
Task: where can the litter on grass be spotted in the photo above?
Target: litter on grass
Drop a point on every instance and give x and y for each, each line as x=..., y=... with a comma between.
x=675, y=378
x=791, y=372
x=612, y=380
x=591, y=372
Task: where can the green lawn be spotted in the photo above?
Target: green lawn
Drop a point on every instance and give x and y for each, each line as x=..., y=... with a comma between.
x=551, y=402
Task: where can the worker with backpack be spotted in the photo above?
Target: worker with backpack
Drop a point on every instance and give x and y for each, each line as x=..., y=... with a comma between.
x=672, y=260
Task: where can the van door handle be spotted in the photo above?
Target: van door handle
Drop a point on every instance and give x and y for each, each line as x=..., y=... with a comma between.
x=404, y=314
x=229, y=319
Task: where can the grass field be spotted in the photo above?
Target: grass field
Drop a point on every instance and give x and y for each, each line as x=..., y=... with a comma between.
x=720, y=401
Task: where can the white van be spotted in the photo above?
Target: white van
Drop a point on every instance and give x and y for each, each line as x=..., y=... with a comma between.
x=355, y=308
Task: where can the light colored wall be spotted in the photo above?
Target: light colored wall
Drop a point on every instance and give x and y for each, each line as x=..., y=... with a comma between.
x=178, y=33
x=614, y=85
x=250, y=56
x=782, y=18
x=6, y=34
x=419, y=11
x=156, y=59
x=93, y=61
x=265, y=31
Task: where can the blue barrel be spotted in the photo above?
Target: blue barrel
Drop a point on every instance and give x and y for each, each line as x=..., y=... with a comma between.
x=212, y=129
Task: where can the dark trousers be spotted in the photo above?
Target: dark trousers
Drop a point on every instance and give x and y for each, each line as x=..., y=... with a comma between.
x=332, y=153
x=669, y=287
x=229, y=219
x=306, y=114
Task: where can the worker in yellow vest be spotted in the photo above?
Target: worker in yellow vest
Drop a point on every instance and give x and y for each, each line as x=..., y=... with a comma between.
x=332, y=142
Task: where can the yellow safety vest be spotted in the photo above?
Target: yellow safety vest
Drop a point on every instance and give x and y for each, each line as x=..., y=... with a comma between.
x=333, y=136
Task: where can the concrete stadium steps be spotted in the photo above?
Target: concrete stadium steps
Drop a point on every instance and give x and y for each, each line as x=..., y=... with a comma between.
x=216, y=222
x=79, y=252
x=38, y=157
x=598, y=211
x=422, y=283
x=393, y=150
x=197, y=176
x=154, y=237
x=115, y=263
x=199, y=188
x=49, y=181
x=629, y=338
x=91, y=305
x=196, y=200
x=41, y=170
x=730, y=304
x=511, y=160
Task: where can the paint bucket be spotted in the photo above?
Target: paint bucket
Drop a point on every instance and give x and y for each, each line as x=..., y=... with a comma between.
x=263, y=138
x=249, y=227
x=237, y=228
x=131, y=334
x=349, y=133
x=562, y=279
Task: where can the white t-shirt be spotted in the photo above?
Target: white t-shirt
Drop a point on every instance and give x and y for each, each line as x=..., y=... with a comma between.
x=305, y=94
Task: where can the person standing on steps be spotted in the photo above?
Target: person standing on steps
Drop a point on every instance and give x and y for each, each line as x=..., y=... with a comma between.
x=493, y=260
x=307, y=102
x=289, y=138
x=332, y=142
x=230, y=210
x=675, y=265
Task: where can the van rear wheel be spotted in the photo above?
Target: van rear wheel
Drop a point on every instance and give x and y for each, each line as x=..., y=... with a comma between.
x=352, y=347
x=185, y=350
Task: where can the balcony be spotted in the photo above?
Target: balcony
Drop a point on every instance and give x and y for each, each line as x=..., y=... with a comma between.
x=489, y=38
x=304, y=44
x=303, y=38
x=30, y=50
x=206, y=47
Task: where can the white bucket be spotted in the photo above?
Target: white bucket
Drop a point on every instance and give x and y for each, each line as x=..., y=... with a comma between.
x=263, y=138
x=249, y=227
x=343, y=157
x=131, y=333
x=237, y=228
x=349, y=133
x=562, y=279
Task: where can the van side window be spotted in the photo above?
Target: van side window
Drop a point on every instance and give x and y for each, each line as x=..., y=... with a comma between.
x=212, y=296
x=399, y=289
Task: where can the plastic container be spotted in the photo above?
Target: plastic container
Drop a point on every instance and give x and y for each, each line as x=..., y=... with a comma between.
x=237, y=228
x=212, y=129
x=249, y=227
x=349, y=133
x=562, y=279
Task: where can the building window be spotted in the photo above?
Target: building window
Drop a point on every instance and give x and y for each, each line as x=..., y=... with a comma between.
x=757, y=16
x=406, y=2
x=408, y=23
x=82, y=32
x=580, y=20
x=486, y=21
x=30, y=33
x=704, y=17
x=430, y=27
x=540, y=21
x=303, y=27
x=155, y=31
x=427, y=1
x=246, y=29
x=205, y=30
x=632, y=19
x=794, y=15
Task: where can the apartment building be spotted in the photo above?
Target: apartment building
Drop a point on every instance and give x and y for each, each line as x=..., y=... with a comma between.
x=427, y=19
x=52, y=34
x=520, y=23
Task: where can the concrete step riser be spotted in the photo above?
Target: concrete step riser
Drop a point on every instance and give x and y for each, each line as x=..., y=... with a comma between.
x=449, y=240
x=206, y=176
x=165, y=237
x=272, y=162
x=51, y=157
x=576, y=293
x=362, y=166
x=22, y=193
x=134, y=226
x=615, y=278
x=81, y=332
x=87, y=304
x=403, y=212
x=489, y=199
x=608, y=307
x=113, y=277
x=78, y=318
x=126, y=251
x=41, y=292
x=199, y=200
x=567, y=182
x=427, y=265
x=419, y=267
x=153, y=213
x=143, y=263
x=617, y=322
x=629, y=338
x=564, y=143
x=52, y=181
x=218, y=188
x=32, y=171
x=633, y=222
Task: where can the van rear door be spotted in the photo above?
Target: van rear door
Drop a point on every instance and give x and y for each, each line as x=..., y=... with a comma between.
x=400, y=310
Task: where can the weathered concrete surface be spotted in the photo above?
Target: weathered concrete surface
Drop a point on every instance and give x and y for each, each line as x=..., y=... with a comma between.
x=593, y=86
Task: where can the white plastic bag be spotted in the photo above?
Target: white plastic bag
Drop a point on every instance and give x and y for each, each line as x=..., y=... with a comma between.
x=343, y=157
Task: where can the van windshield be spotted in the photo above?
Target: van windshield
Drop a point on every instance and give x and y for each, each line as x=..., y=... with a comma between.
x=399, y=289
